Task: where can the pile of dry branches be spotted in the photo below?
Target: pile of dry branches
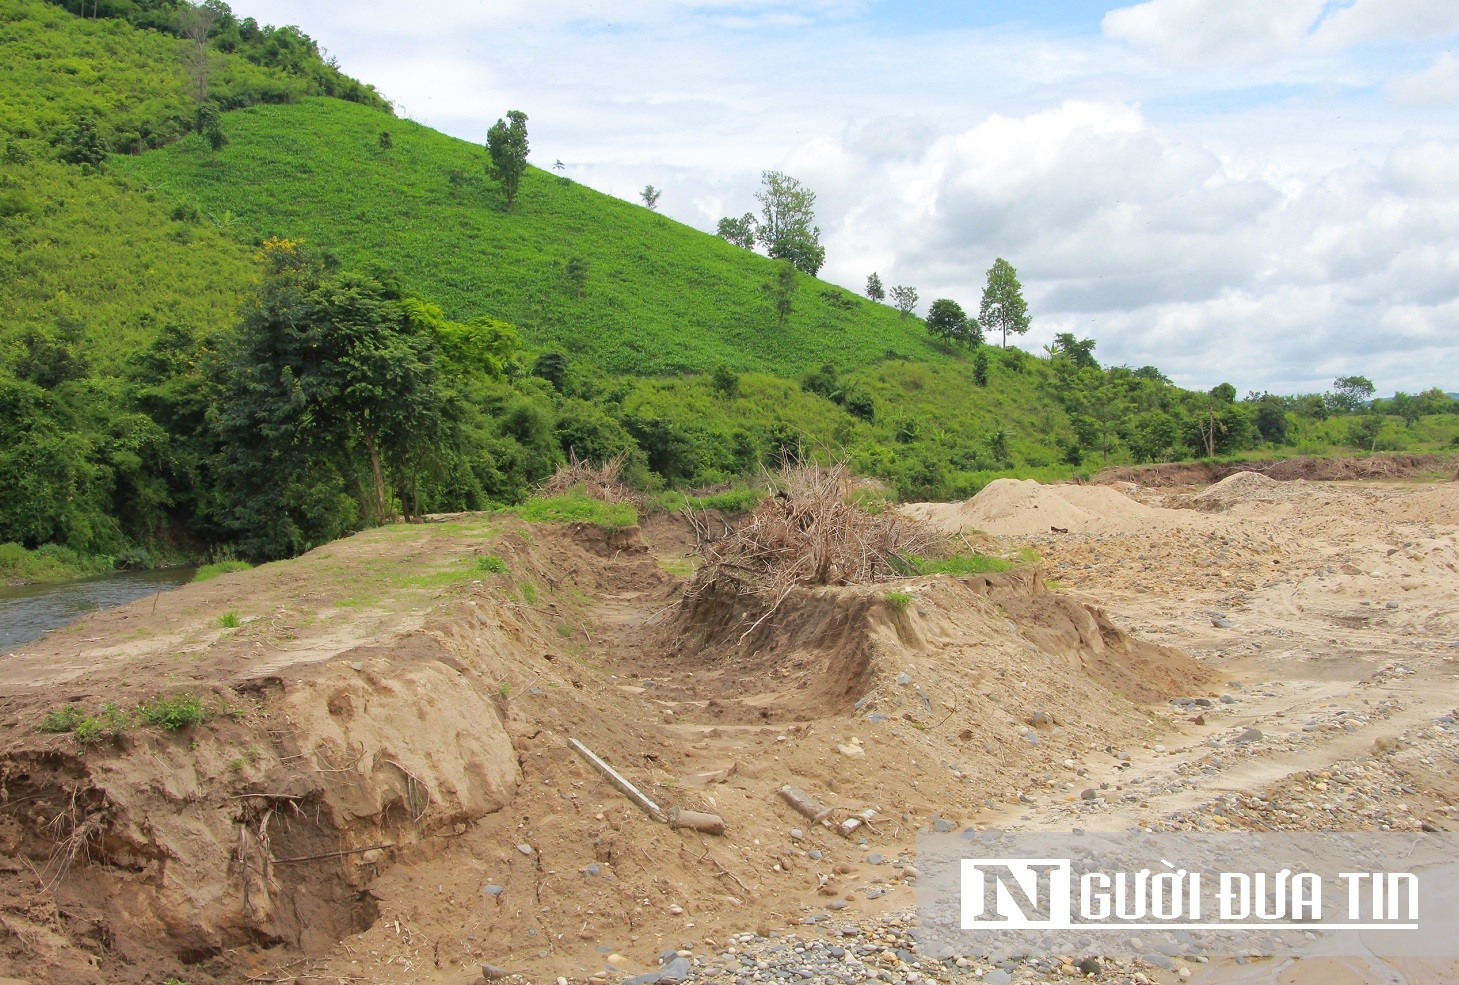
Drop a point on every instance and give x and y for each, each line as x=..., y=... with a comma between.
x=808, y=533
x=602, y=482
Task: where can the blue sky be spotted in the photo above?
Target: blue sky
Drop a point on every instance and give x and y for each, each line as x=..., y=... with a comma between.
x=1264, y=192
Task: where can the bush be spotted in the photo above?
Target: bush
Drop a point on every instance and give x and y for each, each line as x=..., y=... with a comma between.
x=175, y=712
x=63, y=719
x=897, y=600
x=493, y=564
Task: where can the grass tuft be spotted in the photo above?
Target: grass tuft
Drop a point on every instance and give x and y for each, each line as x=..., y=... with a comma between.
x=174, y=712
x=577, y=509
x=208, y=571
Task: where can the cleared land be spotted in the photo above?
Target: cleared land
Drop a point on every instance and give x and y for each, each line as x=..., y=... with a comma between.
x=382, y=789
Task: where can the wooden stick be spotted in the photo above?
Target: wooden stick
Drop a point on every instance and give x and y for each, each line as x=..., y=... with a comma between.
x=350, y=851
x=618, y=780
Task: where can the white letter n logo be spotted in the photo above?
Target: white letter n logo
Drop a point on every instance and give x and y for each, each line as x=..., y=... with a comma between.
x=1016, y=893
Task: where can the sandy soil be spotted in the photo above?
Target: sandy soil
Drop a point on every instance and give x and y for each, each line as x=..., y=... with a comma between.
x=384, y=792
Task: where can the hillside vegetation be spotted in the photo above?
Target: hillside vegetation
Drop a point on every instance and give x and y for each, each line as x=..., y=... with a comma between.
x=259, y=330
x=655, y=297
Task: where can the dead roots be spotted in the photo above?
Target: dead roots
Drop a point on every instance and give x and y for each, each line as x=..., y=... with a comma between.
x=602, y=482
x=808, y=533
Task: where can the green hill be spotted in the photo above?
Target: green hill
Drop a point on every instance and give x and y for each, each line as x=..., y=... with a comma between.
x=178, y=374
x=658, y=297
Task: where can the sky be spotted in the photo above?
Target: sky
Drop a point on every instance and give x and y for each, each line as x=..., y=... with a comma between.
x=1260, y=192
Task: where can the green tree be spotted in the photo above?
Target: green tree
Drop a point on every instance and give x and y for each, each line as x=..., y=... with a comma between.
x=1406, y=406
x=740, y=232
x=787, y=226
x=331, y=384
x=650, y=196
x=1224, y=392
x=576, y=270
x=1363, y=431
x=83, y=144
x=1003, y=308
x=1078, y=351
x=1350, y=394
x=506, y=142
x=874, y=289
x=552, y=367
x=946, y=320
x=904, y=299
x=782, y=291
x=725, y=381
x=1271, y=418
x=210, y=125
x=980, y=367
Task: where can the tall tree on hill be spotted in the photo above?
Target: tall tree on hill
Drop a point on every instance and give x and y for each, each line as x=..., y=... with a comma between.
x=904, y=299
x=787, y=222
x=1003, y=308
x=197, y=24
x=506, y=142
x=874, y=290
x=650, y=196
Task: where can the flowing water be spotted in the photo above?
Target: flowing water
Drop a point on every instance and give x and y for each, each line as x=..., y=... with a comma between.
x=30, y=611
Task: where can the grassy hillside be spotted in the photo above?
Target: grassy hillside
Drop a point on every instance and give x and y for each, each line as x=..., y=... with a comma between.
x=185, y=329
x=658, y=297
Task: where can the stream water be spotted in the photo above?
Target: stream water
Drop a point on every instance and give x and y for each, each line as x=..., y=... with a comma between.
x=31, y=611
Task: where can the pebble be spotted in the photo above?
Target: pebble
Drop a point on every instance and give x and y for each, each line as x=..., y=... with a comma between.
x=524, y=848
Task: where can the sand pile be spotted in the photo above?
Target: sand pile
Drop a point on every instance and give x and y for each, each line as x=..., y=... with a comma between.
x=1243, y=487
x=1024, y=507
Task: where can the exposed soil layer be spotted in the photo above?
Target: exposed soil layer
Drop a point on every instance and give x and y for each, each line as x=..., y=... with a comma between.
x=383, y=790
x=1394, y=465
x=387, y=741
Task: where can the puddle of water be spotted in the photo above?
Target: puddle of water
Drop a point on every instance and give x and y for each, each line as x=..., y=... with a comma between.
x=30, y=611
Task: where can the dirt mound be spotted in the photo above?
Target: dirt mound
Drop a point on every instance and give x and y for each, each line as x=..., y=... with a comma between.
x=1241, y=487
x=1023, y=507
x=1385, y=466
x=390, y=768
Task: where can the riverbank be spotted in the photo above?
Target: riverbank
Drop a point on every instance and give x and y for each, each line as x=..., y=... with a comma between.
x=49, y=563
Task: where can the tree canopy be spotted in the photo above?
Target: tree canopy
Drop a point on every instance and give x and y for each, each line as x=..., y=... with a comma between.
x=1003, y=308
x=506, y=142
x=787, y=226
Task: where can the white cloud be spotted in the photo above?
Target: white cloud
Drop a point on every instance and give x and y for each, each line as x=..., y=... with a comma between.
x=1437, y=85
x=1202, y=33
x=1369, y=21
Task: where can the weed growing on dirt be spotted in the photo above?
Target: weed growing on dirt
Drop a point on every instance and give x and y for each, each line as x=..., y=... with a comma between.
x=577, y=507
x=220, y=568
x=957, y=564
x=109, y=723
x=679, y=567
x=493, y=564
x=898, y=600
x=63, y=719
x=228, y=620
x=529, y=593
x=174, y=712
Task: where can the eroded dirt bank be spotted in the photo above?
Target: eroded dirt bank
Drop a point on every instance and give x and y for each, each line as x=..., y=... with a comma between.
x=383, y=790
x=385, y=752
